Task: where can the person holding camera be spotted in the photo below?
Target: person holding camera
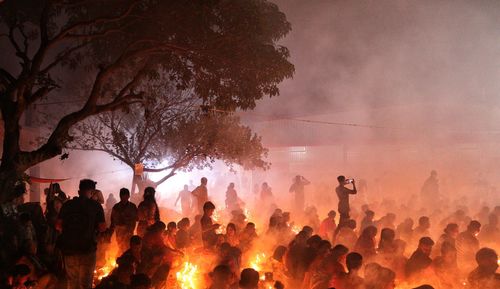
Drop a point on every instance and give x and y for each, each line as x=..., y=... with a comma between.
x=343, y=195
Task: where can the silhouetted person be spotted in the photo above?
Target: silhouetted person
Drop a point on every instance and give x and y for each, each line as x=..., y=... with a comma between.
x=222, y=277
x=430, y=190
x=200, y=194
x=148, y=212
x=445, y=266
x=485, y=276
x=80, y=219
x=422, y=230
x=420, y=259
x=249, y=279
x=449, y=236
x=123, y=220
x=467, y=244
x=490, y=233
x=183, y=238
x=298, y=189
x=365, y=245
x=328, y=226
x=266, y=194
x=343, y=195
x=232, y=200
x=351, y=279
x=185, y=197
x=367, y=219
x=208, y=234
x=110, y=202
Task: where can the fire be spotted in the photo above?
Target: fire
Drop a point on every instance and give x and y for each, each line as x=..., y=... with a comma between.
x=296, y=229
x=187, y=276
x=258, y=261
x=104, y=271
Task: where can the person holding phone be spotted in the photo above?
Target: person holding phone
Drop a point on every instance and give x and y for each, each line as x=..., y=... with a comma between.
x=343, y=195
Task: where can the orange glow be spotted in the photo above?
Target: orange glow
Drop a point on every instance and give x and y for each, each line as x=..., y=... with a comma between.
x=257, y=263
x=188, y=276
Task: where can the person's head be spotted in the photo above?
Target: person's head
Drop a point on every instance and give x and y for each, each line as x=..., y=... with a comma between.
x=339, y=253
x=86, y=188
x=314, y=241
x=231, y=186
x=231, y=229
x=487, y=260
x=369, y=214
x=149, y=192
x=249, y=279
x=208, y=208
x=341, y=180
x=135, y=242
x=309, y=230
x=203, y=181
x=172, y=227
x=183, y=224
x=434, y=174
x=140, y=281
x=250, y=227
x=222, y=277
x=265, y=185
x=451, y=230
x=354, y=261
x=424, y=222
x=298, y=178
x=124, y=195
x=351, y=224
x=474, y=227
x=279, y=253
x=425, y=245
x=387, y=234
x=332, y=214
x=186, y=187
x=424, y=287
x=55, y=188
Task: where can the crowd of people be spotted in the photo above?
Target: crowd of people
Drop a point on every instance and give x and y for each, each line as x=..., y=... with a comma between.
x=66, y=243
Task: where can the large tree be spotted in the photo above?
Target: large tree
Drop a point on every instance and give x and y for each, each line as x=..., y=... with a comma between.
x=225, y=51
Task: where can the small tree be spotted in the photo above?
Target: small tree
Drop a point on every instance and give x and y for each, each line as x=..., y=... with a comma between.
x=172, y=131
x=171, y=142
x=224, y=50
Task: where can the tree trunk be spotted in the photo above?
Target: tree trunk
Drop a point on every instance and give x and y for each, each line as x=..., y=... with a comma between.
x=10, y=174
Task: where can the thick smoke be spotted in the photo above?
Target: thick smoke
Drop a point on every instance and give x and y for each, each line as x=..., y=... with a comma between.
x=425, y=73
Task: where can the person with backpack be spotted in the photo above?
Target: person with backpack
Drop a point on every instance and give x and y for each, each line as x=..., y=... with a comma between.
x=79, y=221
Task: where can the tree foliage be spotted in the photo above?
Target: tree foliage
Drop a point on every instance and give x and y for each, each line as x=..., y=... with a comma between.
x=225, y=51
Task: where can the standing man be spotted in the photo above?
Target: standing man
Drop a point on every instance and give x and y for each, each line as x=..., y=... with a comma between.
x=298, y=188
x=123, y=220
x=430, y=190
x=201, y=195
x=185, y=197
x=343, y=195
x=80, y=220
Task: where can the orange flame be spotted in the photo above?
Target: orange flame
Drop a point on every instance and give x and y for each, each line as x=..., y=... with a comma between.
x=187, y=276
